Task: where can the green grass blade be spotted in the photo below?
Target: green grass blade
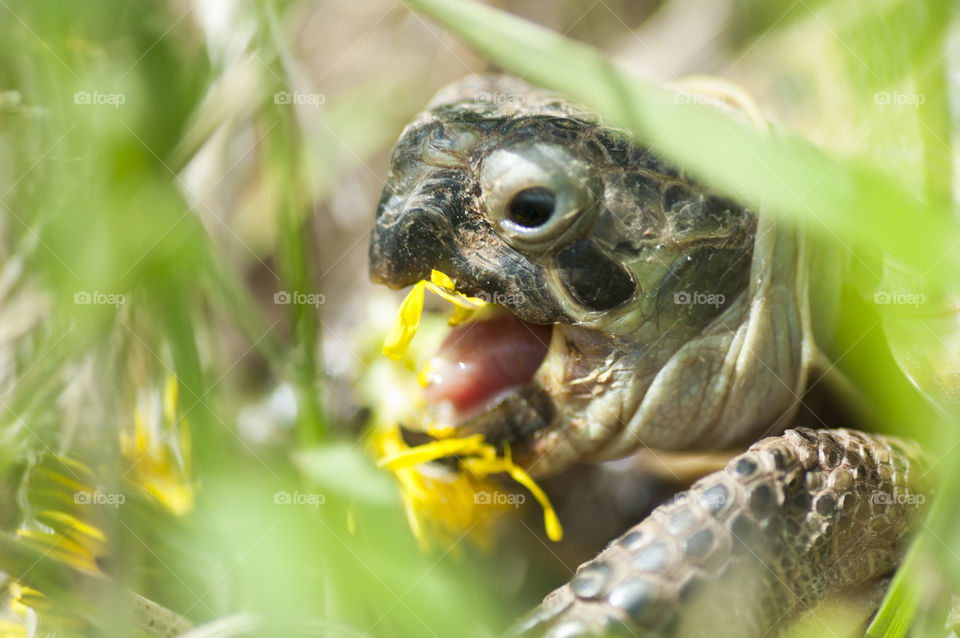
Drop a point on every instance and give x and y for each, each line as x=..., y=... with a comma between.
x=899, y=606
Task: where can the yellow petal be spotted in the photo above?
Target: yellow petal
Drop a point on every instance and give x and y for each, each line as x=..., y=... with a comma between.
x=62, y=521
x=423, y=377
x=446, y=287
x=186, y=445
x=460, y=314
x=550, y=520
x=484, y=466
x=408, y=317
x=456, y=298
x=441, y=431
x=68, y=482
x=171, y=492
x=59, y=547
x=442, y=280
x=30, y=597
x=432, y=451
x=406, y=324
x=481, y=460
x=170, y=399
x=141, y=441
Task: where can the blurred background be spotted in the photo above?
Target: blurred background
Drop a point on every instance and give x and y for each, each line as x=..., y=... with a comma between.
x=188, y=338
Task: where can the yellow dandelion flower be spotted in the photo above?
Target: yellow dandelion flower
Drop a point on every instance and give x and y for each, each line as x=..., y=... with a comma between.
x=434, y=494
x=11, y=629
x=440, y=502
x=24, y=599
x=159, y=451
x=65, y=505
x=60, y=533
x=66, y=538
x=479, y=459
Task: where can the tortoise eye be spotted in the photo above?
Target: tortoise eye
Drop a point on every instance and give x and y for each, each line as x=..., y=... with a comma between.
x=532, y=207
x=538, y=194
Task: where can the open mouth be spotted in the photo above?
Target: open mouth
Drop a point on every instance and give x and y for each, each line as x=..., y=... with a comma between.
x=481, y=379
x=488, y=377
x=481, y=362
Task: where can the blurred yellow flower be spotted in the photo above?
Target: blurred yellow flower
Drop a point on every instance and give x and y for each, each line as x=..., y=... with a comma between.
x=159, y=451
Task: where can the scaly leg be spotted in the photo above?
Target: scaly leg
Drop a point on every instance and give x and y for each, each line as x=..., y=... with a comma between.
x=794, y=520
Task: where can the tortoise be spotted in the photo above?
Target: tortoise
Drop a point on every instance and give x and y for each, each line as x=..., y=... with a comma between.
x=644, y=310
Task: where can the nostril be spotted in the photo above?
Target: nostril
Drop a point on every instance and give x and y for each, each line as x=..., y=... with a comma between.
x=404, y=251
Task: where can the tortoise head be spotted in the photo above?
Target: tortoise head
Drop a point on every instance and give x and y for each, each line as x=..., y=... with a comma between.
x=667, y=314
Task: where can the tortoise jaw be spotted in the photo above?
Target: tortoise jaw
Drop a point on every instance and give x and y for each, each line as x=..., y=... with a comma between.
x=542, y=420
x=513, y=420
x=483, y=380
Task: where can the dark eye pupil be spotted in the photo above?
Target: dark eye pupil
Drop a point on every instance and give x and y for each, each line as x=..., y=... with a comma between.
x=531, y=207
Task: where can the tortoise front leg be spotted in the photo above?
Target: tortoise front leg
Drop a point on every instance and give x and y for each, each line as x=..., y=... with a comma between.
x=794, y=520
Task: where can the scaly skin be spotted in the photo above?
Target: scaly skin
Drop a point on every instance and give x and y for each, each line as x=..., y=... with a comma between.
x=797, y=518
x=800, y=518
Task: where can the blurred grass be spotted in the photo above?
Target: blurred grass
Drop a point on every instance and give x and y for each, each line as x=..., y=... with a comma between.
x=96, y=203
x=95, y=200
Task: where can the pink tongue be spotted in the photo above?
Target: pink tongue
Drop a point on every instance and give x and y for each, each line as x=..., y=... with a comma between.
x=478, y=360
